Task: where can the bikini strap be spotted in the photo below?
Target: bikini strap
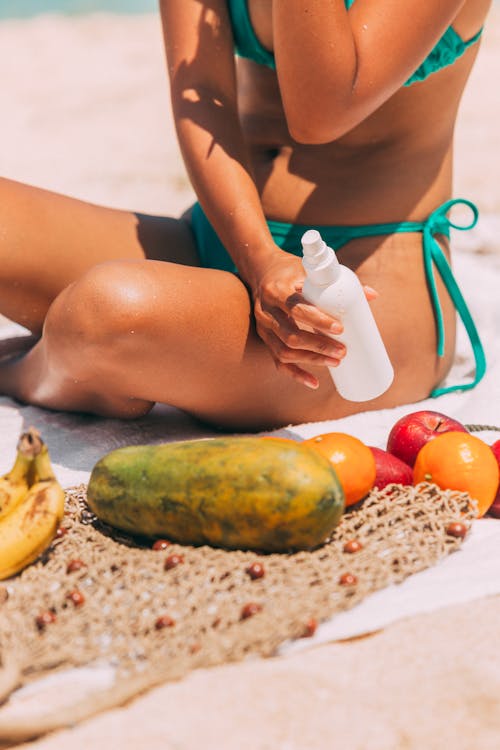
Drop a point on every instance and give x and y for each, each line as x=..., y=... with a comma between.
x=473, y=39
x=439, y=223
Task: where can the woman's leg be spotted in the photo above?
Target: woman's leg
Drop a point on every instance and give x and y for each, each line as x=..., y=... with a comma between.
x=47, y=241
x=129, y=333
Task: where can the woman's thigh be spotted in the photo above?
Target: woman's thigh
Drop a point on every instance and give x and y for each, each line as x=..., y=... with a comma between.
x=48, y=241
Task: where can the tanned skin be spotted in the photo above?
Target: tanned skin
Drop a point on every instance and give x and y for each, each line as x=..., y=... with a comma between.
x=122, y=315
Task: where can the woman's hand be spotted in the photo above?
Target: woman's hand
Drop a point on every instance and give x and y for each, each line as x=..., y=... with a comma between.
x=298, y=334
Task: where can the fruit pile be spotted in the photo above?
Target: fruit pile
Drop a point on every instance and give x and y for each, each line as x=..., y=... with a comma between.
x=275, y=494
x=265, y=493
x=424, y=446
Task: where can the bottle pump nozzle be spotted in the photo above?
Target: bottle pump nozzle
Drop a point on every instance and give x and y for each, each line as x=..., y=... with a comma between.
x=312, y=244
x=320, y=262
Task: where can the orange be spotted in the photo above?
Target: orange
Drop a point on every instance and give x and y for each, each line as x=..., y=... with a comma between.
x=459, y=461
x=352, y=460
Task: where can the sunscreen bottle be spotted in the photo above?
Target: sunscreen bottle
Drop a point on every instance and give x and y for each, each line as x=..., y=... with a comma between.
x=366, y=371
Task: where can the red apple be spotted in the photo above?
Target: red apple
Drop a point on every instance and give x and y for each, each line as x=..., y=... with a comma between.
x=390, y=469
x=495, y=506
x=414, y=430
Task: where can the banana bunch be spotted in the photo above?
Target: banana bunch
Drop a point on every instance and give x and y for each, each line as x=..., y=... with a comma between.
x=31, y=505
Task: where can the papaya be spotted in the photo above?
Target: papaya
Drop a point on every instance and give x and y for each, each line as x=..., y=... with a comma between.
x=231, y=492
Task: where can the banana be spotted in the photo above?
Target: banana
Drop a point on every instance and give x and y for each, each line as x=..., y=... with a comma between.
x=15, y=484
x=30, y=527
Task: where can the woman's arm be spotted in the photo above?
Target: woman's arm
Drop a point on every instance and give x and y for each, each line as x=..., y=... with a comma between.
x=336, y=67
x=200, y=57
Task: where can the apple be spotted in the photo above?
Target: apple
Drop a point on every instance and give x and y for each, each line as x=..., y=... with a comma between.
x=390, y=469
x=495, y=506
x=414, y=430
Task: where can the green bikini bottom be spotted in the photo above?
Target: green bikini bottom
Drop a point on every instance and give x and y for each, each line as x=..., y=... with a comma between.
x=288, y=236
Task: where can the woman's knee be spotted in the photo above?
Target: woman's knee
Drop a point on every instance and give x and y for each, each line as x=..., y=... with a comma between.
x=111, y=300
x=86, y=332
x=93, y=328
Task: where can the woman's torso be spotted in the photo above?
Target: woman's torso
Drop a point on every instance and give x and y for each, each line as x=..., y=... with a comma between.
x=396, y=165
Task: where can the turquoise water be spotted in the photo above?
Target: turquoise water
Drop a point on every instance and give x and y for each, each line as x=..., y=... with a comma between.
x=27, y=8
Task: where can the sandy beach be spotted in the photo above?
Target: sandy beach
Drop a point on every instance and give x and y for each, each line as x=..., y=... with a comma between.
x=85, y=111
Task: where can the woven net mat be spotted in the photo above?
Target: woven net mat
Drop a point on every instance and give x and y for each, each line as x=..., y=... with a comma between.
x=153, y=624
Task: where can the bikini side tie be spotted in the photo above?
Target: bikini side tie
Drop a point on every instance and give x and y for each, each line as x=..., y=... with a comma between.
x=439, y=223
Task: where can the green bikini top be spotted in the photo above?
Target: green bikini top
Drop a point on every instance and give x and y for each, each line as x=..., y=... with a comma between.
x=450, y=47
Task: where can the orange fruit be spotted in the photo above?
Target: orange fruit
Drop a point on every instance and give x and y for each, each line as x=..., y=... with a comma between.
x=459, y=461
x=352, y=460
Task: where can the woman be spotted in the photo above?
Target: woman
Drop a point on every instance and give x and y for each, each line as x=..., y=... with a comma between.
x=336, y=118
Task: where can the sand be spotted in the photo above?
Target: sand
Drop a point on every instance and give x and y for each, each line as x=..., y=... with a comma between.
x=85, y=111
x=427, y=683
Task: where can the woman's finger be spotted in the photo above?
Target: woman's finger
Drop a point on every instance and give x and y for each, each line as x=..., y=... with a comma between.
x=275, y=346
x=286, y=355
x=370, y=292
x=304, y=313
x=304, y=346
x=301, y=376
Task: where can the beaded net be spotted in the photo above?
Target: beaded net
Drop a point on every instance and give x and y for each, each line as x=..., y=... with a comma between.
x=122, y=604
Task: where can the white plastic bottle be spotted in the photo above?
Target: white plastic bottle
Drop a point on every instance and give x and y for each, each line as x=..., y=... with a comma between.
x=366, y=371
